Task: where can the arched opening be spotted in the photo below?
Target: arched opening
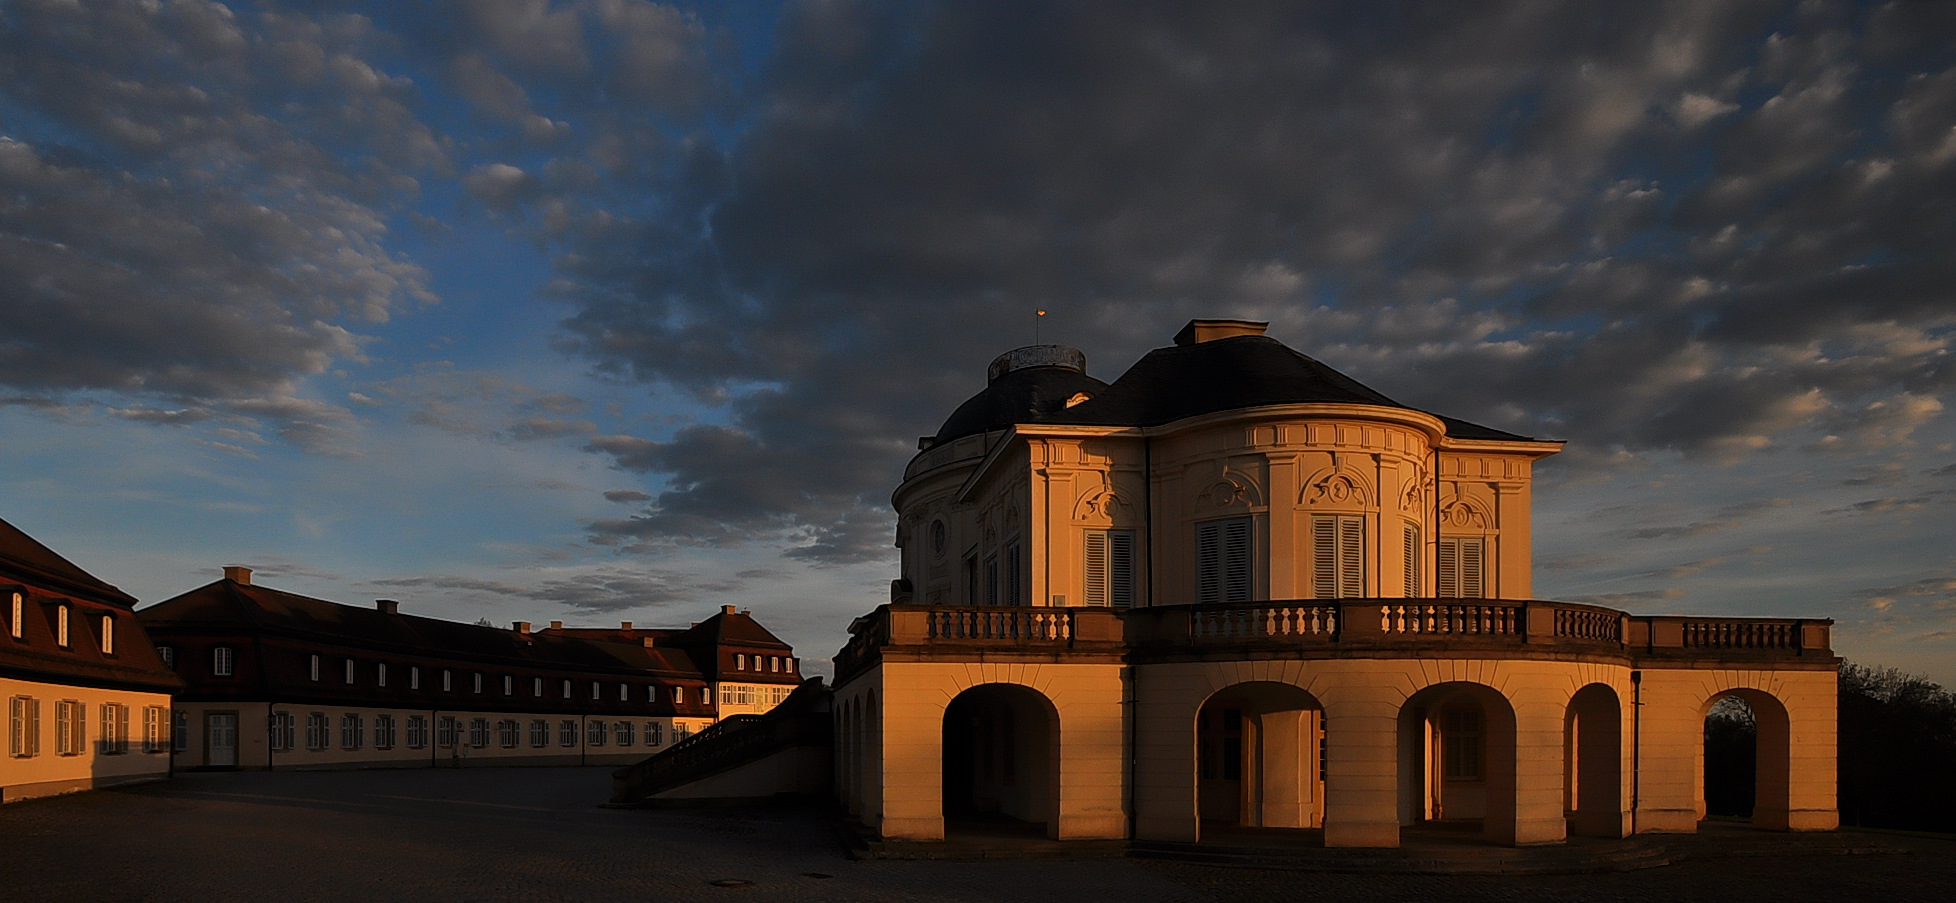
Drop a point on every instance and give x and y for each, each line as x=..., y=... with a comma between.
x=1592, y=763
x=1743, y=768
x=1457, y=761
x=1001, y=762
x=1260, y=758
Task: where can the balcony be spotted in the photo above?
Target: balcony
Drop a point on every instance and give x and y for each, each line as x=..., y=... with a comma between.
x=1321, y=628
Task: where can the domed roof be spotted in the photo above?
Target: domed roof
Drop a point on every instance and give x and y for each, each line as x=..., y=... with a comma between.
x=1027, y=385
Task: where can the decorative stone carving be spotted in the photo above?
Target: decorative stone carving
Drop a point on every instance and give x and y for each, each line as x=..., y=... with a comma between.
x=1337, y=487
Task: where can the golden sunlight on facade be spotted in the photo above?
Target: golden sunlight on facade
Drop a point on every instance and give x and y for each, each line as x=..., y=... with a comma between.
x=1238, y=588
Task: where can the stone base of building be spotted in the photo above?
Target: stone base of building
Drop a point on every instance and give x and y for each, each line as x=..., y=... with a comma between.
x=14, y=793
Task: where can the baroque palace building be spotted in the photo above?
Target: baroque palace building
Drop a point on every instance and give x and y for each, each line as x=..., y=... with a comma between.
x=88, y=701
x=277, y=680
x=1236, y=587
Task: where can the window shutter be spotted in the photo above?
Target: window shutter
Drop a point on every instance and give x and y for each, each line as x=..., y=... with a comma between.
x=1120, y=568
x=1208, y=562
x=1351, y=557
x=1450, y=568
x=1412, y=561
x=1097, y=568
x=1324, y=557
x=1470, y=569
x=1014, y=577
x=1236, y=556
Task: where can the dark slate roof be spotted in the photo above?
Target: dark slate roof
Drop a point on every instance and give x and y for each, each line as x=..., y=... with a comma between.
x=24, y=559
x=1176, y=383
x=259, y=608
x=1030, y=395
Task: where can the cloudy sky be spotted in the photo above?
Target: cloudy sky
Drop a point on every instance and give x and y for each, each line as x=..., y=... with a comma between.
x=605, y=309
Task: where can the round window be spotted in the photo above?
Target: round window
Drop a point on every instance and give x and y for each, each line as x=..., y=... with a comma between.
x=937, y=537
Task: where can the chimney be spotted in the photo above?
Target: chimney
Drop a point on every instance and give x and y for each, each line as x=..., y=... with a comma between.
x=1199, y=331
x=236, y=574
x=624, y=625
x=726, y=609
x=387, y=606
x=556, y=625
x=522, y=627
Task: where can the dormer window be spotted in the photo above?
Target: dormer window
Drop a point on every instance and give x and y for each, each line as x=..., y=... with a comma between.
x=61, y=626
x=169, y=656
x=221, y=661
x=108, y=635
x=313, y=670
x=13, y=622
x=740, y=662
x=349, y=672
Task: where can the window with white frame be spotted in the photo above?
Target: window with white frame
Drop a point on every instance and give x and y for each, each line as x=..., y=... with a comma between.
x=509, y=685
x=1338, y=556
x=740, y=662
x=70, y=728
x=651, y=693
x=1222, y=560
x=349, y=672
x=596, y=688
x=153, y=729
x=478, y=681
x=567, y=733
x=318, y=731
x=479, y=732
x=536, y=687
x=108, y=635
x=353, y=731
x=624, y=692
x=169, y=656
x=115, y=728
x=1110, y=568
x=447, y=680
x=283, y=730
x=417, y=732
x=380, y=674
x=625, y=733
x=384, y=732
x=414, y=677
x=1462, y=575
x=594, y=733
x=655, y=733
x=61, y=626
x=222, y=659
x=448, y=731
x=539, y=733
x=567, y=684
x=13, y=621
x=508, y=733
x=24, y=727
x=314, y=668
x=1411, y=550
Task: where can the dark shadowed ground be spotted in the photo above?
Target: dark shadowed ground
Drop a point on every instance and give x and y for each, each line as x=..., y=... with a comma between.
x=538, y=835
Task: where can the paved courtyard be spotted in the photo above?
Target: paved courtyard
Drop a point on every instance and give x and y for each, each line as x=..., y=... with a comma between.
x=538, y=835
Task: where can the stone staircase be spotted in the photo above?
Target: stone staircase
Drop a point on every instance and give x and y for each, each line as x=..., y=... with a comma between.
x=800, y=721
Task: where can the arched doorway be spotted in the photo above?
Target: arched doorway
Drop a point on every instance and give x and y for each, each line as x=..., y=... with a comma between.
x=1592, y=760
x=1001, y=761
x=1260, y=757
x=1745, y=761
x=1457, y=760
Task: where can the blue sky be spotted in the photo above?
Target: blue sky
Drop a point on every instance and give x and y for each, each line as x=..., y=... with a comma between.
x=616, y=310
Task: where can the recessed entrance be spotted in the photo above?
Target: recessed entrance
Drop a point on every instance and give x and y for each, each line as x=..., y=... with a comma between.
x=1260, y=757
x=1457, y=760
x=221, y=739
x=1745, y=764
x=1001, y=762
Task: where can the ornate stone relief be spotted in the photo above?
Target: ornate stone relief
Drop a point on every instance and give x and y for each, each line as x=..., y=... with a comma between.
x=1464, y=514
x=1337, y=487
x=1232, y=491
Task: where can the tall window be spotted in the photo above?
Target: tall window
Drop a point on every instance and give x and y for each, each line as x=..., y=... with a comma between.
x=1014, y=579
x=61, y=626
x=417, y=731
x=740, y=662
x=380, y=674
x=221, y=660
x=479, y=732
x=1461, y=737
x=594, y=733
x=70, y=728
x=536, y=687
x=1412, y=553
x=1338, y=556
x=508, y=733
x=108, y=635
x=447, y=680
x=179, y=730
x=567, y=733
x=349, y=672
x=478, y=681
x=509, y=685
x=1461, y=567
x=448, y=732
x=284, y=731
x=596, y=688
x=626, y=733
x=13, y=622
x=539, y=733
x=971, y=587
x=313, y=669
x=353, y=731
x=566, y=689
x=115, y=728
x=624, y=692
x=1110, y=568
x=318, y=731
x=655, y=733
x=169, y=654
x=1222, y=560
x=24, y=727
x=991, y=580
x=383, y=732
x=414, y=677
x=152, y=729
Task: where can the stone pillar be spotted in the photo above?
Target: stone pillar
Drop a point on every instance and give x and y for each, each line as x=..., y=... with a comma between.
x=1537, y=769
x=1286, y=794
x=1361, y=793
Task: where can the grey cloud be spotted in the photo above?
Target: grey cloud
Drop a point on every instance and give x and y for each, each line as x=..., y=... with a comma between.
x=601, y=591
x=530, y=428
x=626, y=496
x=178, y=417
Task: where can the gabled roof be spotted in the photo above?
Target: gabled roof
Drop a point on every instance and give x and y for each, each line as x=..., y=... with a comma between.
x=24, y=559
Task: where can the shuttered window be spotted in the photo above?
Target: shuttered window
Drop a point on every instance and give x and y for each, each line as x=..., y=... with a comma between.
x=991, y=580
x=1014, y=576
x=1461, y=567
x=1222, y=560
x=1412, y=561
x=1110, y=568
x=1338, y=556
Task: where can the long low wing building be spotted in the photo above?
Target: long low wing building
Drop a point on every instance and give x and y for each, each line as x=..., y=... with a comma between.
x=88, y=700
x=277, y=680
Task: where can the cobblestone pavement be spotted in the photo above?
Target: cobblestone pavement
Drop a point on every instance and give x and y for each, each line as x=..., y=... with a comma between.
x=537, y=835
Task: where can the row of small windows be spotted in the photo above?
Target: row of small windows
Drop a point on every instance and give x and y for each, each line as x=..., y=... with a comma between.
x=448, y=732
x=16, y=625
x=774, y=663
x=738, y=694
x=71, y=728
x=223, y=661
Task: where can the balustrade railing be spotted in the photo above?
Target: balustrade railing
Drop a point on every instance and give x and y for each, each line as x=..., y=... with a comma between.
x=1741, y=634
x=1268, y=621
x=1451, y=619
x=1022, y=624
x=1589, y=624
